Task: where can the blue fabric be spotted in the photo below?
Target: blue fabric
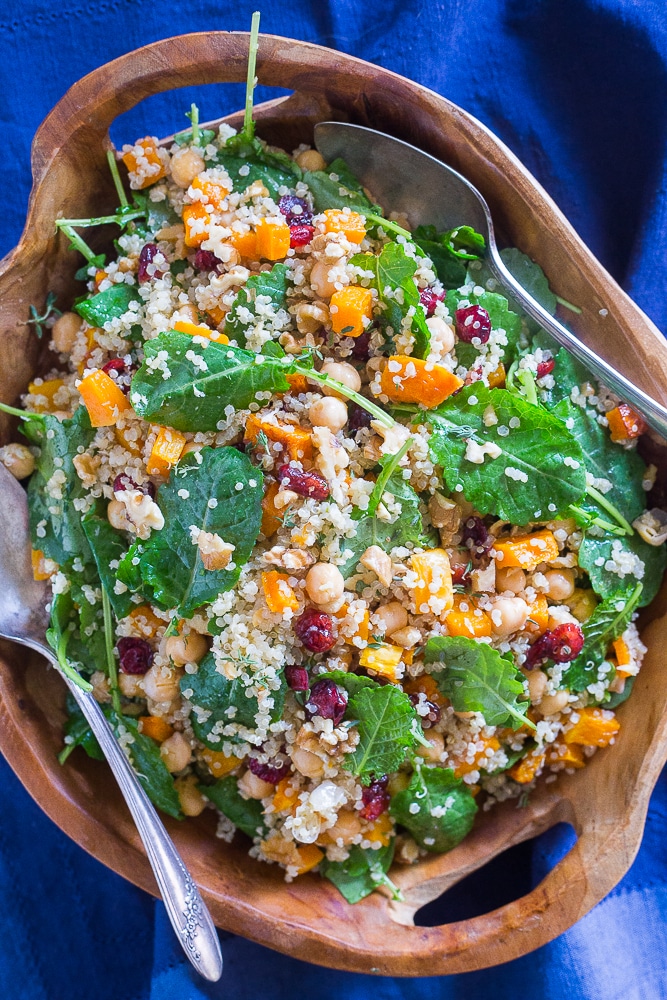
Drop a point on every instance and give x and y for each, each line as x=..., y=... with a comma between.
x=577, y=89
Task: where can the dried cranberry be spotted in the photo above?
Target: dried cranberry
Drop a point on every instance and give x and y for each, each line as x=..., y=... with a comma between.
x=545, y=368
x=433, y=714
x=115, y=365
x=375, y=798
x=135, y=655
x=461, y=574
x=476, y=537
x=297, y=678
x=361, y=347
x=149, y=251
x=296, y=210
x=205, y=260
x=269, y=772
x=328, y=701
x=315, y=630
x=561, y=644
x=473, y=375
x=473, y=322
x=429, y=300
x=124, y=483
x=300, y=236
x=358, y=417
x=306, y=484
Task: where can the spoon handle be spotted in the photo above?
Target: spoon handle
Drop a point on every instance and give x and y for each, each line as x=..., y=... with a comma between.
x=187, y=911
x=654, y=413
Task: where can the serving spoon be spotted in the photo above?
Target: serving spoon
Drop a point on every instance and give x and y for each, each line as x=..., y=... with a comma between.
x=24, y=619
x=428, y=191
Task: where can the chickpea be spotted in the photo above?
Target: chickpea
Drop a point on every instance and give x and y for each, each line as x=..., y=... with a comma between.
x=253, y=787
x=307, y=763
x=182, y=649
x=100, y=683
x=330, y=411
x=188, y=312
x=117, y=516
x=398, y=782
x=346, y=828
x=508, y=615
x=319, y=278
x=64, y=332
x=162, y=683
x=310, y=159
x=191, y=799
x=437, y=747
x=442, y=335
x=511, y=578
x=191, y=446
x=537, y=685
x=324, y=583
x=185, y=165
x=582, y=604
x=552, y=703
x=176, y=752
x=390, y=618
x=342, y=372
x=560, y=584
x=131, y=685
x=20, y=461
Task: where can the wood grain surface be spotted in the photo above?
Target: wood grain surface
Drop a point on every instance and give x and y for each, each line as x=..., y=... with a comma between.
x=606, y=802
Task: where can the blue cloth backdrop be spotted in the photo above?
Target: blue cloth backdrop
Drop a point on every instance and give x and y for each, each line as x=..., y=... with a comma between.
x=577, y=89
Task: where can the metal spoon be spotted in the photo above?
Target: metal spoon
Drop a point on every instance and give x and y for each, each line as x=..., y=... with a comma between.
x=23, y=619
x=428, y=191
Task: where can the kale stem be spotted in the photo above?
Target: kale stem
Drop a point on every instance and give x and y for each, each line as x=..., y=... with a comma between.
x=527, y=382
x=111, y=659
x=388, y=225
x=76, y=242
x=385, y=475
x=609, y=507
x=118, y=184
x=568, y=305
x=59, y=649
x=101, y=220
x=600, y=522
x=248, y=123
x=171, y=628
x=372, y=408
x=382, y=879
x=194, y=118
x=21, y=414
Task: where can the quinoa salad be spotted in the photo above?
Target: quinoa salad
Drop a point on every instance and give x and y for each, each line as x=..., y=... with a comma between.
x=347, y=547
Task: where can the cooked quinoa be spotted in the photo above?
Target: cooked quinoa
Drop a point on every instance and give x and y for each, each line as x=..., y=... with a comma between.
x=347, y=511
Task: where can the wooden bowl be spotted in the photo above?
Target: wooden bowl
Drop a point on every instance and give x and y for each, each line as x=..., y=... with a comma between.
x=606, y=803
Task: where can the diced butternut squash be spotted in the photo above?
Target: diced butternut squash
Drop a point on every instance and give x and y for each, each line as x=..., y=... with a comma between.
x=145, y=621
x=622, y=652
x=527, y=551
x=411, y=380
x=538, y=617
x=624, y=423
x=351, y=310
x=99, y=277
x=497, y=378
x=166, y=451
x=362, y=627
x=381, y=831
x=467, y=619
x=467, y=767
x=278, y=594
x=213, y=191
x=134, y=442
x=525, y=769
x=427, y=686
x=273, y=239
x=296, y=440
x=382, y=658
x=136, y=163
x=216, y=315
x=48, y=390
x=297, y=384
x=351, y=223
x=199, y=330
x=309, y=857
x=196, y=221
x=42, y=568
x=218, y=764
x=433, y=590
x=91, y=333
x=571, y=755
x=272, y=518
x=104, y=400
x=594, y=728
x=155, y=727
x=245, y=243
x=282, y=799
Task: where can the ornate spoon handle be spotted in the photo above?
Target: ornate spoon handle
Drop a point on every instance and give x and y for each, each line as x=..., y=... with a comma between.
x=187, y=911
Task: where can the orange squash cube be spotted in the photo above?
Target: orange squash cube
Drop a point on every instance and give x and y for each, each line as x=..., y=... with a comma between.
x=218, y=764
x=278, y=593
x=571, y=755
x=272, y=518
x=103, y=398
x=527, y=551
x=434, y=583
x=426, y=685
x=467, y=619
x=213, y=191
x=166, y=451
x=467, y=767
x=42, y=568
x=47, y=389
x=625, y=423
x=538, y=617
x=155, y=727
x=199, y=330
x=525, y=769
x=410, y=380
x=149, y=156
x=196, y=220
x=310, y=856
x=381, y=830
x=340, y=221
x=245, y=244
x=283, y=801
x=145, y=621
x=273, y=239
x=594, y=728
x=351, y=310
x=297, y=440
x=498, y=377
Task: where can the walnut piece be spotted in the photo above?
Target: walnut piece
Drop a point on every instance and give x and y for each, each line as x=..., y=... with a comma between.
x=214, y=551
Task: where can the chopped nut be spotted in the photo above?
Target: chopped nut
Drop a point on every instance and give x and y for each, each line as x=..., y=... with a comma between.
x=310, y=316
x=652, y=526
x=406, y=637
x=214, y=551
x=283, y=498
x=86, y=468
x=407, y=851
x=444, y=513
x=294, y=559
x=143, y=514
x=377, y=560
x=484, y=580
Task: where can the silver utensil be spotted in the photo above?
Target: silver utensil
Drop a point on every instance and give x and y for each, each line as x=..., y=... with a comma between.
x=408, y=180
x=23, y=619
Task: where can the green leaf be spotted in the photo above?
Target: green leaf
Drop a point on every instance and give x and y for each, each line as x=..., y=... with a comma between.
x=78, y=734
x=450, y=270
x=55, y=523
x=529, y=275
x=392, y=272
x=353, y=683
x=222, y=702
x=476, y=678
x=191, y=398
x=342, y=190
x=249, y=164
x=435, y=790
x=247, y=310
x=361, y=873
x=596, y=553
x=145, y=757
x=224, y=497
x=110, y=304
x=501, y=316
x=611, y=617
x=387, y=724
x=246, y=814
x=107, y=546
x=539, y=453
